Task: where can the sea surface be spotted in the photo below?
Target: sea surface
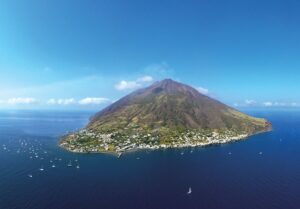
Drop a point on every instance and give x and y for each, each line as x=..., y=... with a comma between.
x=262, y=172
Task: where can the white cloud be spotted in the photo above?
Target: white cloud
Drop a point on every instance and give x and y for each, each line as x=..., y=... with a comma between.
x=127, y=85
x=202, y=90
x=124, y=85
x=20, y=100
x=250, y=102
x=84, y=101
x=145, y=79
x=294, y=104
x=268, y=104
x=93, y=101
x=281, y=104
x=246, y=103
x=51, y=102
x=68, y=101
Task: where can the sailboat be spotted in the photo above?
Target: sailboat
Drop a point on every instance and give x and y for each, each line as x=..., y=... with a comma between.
x=190, y=191
x=69, y=164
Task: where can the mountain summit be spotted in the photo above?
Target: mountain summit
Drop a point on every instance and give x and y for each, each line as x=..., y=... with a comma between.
x=165, y=114
x=172, y=104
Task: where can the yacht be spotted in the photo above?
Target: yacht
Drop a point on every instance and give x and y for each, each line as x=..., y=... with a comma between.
x=190, y=191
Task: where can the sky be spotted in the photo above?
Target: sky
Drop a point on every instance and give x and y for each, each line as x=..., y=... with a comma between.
x=85, y=54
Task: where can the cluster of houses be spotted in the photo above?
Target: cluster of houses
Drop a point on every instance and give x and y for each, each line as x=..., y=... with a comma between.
x=89, y=141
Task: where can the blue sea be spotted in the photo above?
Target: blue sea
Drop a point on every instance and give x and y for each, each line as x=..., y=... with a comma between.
x=262, y=172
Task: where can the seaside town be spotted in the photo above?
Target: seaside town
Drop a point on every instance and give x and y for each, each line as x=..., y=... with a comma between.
x=86, y=141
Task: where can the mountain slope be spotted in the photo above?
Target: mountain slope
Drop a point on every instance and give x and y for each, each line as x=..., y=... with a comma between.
x=172, y=104
x=165, y=114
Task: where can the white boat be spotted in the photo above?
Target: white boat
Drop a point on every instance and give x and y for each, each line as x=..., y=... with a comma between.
x=41, y=169
x=53, y=166
x=69, y=164
x=29, y=175
x=77, y=166
x=190, y=191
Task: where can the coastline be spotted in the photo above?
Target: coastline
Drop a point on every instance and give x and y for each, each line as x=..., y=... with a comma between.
x=181, y=146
